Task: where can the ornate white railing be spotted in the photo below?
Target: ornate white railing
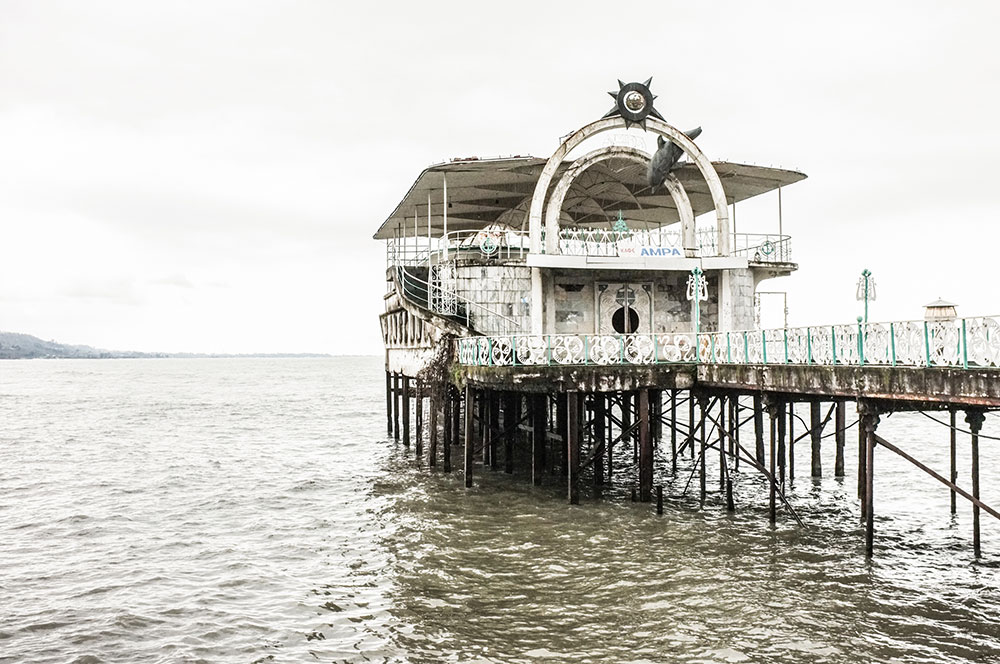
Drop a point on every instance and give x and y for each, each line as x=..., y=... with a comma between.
x=964, y=343
x=572, y=349
x=758, y=248
x=604, y=242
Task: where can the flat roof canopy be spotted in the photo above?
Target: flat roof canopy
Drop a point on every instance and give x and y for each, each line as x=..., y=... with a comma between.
x=482, y=192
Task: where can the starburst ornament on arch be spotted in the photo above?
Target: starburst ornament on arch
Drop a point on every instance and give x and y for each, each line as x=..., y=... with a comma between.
x=634, y=103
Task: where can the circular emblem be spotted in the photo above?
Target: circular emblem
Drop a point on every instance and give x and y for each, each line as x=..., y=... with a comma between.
x=488, y=244
x=634, y=101
x=767, y=248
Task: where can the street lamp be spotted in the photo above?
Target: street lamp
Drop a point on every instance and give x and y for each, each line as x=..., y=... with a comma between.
x=866, y=290
x=697, y=289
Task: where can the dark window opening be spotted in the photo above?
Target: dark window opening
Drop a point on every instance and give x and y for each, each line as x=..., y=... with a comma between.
x=625, y=323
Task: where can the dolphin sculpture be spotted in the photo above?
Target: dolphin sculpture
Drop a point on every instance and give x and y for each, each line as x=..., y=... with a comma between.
x=665, y=159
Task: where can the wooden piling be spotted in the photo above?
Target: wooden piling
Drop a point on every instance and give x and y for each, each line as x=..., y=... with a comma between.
x=758, y=426
x=419, y=403
x=841, y=437
x=862, y=457
x=451, y=423
x=702, y=476
x=816, y=433
x=692, y=423
x=388, y=402
x=645, y=448
x=626, y=405
x=432, y=430
x=539, y=411
x=493, y=427
x=406, y=411
x=975, y=419
x=773, y=498
x=453, y=404
x=869, y=484
x=791, y=446
x=599, y=436
x=511, y=421
x=722, y=443
x=659, y=499
x=673, y=432
x=573, y=446
x=953, y=435
x=470, y=442
x=396, y=399
x=782, y=422
x=561, y=429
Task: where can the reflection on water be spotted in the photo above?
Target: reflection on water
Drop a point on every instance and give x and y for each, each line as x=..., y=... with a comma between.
x=252, y=510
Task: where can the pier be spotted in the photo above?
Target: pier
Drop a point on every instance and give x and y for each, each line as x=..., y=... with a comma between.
x=593, y=311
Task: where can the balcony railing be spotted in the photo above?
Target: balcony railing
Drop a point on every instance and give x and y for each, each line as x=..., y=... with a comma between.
x=967, y=343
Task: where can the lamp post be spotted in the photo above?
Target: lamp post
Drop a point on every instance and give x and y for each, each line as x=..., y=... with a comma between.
x=697, y=289
x=866, y=290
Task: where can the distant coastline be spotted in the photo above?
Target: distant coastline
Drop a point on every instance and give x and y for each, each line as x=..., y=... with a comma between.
x=17, y=346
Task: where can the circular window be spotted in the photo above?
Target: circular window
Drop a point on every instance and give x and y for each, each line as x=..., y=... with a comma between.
x=625, y=320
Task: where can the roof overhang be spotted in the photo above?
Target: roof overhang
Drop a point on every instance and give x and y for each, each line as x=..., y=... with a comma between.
x=482, y=192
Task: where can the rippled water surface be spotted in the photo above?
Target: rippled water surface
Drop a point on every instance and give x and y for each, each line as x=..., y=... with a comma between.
x=252, y=510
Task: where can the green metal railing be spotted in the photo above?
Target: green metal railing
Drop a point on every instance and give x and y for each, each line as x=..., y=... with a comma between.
x=966, y=343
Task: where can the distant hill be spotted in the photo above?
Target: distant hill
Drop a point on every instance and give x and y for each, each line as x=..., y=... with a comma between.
x=16, y=346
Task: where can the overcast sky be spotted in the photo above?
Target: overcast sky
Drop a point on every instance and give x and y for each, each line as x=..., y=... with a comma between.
x=206, y=176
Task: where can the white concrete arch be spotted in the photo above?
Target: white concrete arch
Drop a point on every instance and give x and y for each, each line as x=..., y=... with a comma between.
x=670, y=132
x=558, y=196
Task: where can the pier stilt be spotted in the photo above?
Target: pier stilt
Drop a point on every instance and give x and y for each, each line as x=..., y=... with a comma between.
x=432, y=430
x=470, y=442
x=645, y=447
x=954, y=465
x=511, y=422
x=419, y=404
x=862, y=457
x=692, y=424
x=449, y=415
x=975, y=419
x=573, y=446
x=722, y=443
x=561, y=430
x=453, y=414
x=539, y=411
x=758, y=426
x=788, y=459
x=673, y=432
x=626, y=403
x=772, y=409
x=782, y=422
x=841, y=437
x=869, y=421
x=816, y=433
x=702, y=475
x=388, y=402
x=493, y=428
x=406, y=411
x=600, y=437
x=396, y=403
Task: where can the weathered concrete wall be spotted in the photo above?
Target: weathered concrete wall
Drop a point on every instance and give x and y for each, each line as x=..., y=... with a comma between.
x=503, y=288
x=576, y=301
